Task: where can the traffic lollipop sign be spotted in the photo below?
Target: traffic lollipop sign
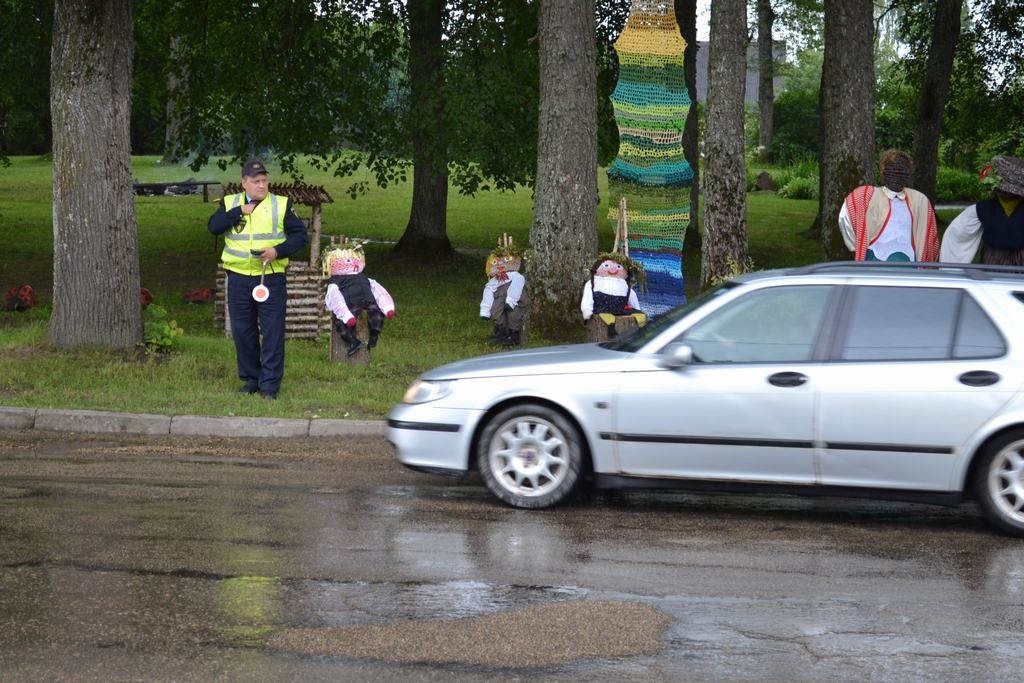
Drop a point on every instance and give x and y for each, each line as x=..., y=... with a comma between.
x=261, y=292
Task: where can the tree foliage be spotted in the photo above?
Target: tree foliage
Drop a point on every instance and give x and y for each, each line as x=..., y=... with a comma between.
x=24, y=77
x=983, y=112
x=796, y=110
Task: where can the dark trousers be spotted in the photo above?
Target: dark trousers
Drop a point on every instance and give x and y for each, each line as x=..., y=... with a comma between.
x=512, y=320
x=260, y=359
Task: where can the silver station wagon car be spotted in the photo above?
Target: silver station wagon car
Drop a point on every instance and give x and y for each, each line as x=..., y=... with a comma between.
x=901, y=382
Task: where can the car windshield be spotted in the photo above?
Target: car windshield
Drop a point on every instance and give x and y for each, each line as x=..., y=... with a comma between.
x=635, y=339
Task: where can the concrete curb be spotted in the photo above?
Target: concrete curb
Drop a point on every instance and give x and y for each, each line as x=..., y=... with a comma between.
x=102, y=422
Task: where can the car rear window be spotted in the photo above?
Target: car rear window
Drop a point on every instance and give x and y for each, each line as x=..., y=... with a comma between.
x=977, y=336
x=918, y=323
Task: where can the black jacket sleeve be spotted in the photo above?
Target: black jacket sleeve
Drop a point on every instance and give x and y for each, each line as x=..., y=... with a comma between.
x=223, y=220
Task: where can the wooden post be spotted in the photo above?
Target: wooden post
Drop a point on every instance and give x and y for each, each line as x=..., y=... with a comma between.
x=621, y=230
x=315, y=223
x=599, y=331
x=339, y=349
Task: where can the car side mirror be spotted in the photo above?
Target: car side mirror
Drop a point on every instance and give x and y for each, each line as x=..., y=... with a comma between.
x=675, y=356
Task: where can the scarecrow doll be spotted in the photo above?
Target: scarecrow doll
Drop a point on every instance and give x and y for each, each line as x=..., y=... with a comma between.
x=609, y=291
x=505, y=301
x=350, y=291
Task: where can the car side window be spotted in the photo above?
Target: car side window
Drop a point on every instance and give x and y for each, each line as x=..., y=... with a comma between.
x=918, y=323
x=774, y=324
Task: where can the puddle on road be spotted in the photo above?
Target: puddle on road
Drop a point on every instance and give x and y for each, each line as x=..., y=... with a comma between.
x=541, y=635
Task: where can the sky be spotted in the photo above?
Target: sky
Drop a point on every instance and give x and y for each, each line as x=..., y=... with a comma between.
x=703, y=20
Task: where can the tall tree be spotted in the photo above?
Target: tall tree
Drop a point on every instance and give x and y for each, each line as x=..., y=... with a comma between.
x=847, y=113
x=686, y=15
x=95, y=248
x=934, y=93
x=724, y=245
x=765, y=78
x=564, y=231
x=176, y=108
x=426, y=232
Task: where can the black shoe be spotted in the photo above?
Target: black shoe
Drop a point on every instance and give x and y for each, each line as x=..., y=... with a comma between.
x=269, y=395
x=511, y=339
x=374, y=336
x=354, y=346
x=248, y=389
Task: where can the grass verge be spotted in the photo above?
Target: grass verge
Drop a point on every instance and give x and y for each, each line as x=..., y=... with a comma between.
x=437, y=303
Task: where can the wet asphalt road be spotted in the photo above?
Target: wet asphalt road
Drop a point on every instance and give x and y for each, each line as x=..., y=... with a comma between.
x=166, y=558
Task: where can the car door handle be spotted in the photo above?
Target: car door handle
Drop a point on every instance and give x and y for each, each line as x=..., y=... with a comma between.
x=787, y=379
x=978, y=378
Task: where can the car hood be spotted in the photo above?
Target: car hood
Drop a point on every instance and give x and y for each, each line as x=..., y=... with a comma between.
x=550, y=360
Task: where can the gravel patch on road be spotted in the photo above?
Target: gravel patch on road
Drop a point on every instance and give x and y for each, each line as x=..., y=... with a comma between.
x=540, y=635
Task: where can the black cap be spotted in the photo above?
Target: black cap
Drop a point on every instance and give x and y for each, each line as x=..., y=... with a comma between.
x=253, y=167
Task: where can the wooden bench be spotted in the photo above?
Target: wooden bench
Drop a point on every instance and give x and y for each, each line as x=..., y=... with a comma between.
x=157, y=189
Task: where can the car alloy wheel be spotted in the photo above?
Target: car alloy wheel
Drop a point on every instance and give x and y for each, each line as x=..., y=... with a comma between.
x=1000, y=483
x=529, y=456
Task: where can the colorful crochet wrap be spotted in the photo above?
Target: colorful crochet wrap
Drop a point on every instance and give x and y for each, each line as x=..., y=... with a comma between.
x=651, y=104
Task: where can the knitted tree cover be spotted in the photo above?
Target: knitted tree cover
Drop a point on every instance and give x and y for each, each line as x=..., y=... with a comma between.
x=651, y=104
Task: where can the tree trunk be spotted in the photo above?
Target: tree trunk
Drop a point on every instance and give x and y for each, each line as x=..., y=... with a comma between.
x=175, y=109
x=724, y=247
x=686, y=15
x=3, y=133
x=847, y=113
x=95, y=245
x=426, y=234
x=934, y=92
x=564, y=232
x=766, y=79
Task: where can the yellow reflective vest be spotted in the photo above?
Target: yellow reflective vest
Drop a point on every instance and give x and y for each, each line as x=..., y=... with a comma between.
x=264, y=228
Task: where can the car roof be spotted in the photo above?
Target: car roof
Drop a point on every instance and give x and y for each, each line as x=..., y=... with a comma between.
x=1012, y=275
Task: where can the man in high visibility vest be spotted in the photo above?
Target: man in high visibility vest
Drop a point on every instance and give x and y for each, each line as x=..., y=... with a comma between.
x=260, y=232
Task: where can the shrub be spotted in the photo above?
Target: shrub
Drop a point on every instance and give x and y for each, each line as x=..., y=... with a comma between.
x=796, y=113
x=159, y=333
x=954, y=185
x=800, y=188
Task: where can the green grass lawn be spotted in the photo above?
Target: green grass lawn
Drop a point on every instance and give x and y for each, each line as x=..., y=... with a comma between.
x=437, y=303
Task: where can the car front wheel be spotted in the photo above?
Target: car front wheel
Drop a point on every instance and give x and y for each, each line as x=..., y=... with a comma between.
x=530, y=456
x=999, y=483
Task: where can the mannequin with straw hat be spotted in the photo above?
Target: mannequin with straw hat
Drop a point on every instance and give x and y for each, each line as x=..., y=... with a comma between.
x=505, y=301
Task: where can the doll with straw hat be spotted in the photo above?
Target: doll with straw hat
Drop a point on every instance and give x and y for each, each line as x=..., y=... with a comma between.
x=350, y=291
x=505, y=301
